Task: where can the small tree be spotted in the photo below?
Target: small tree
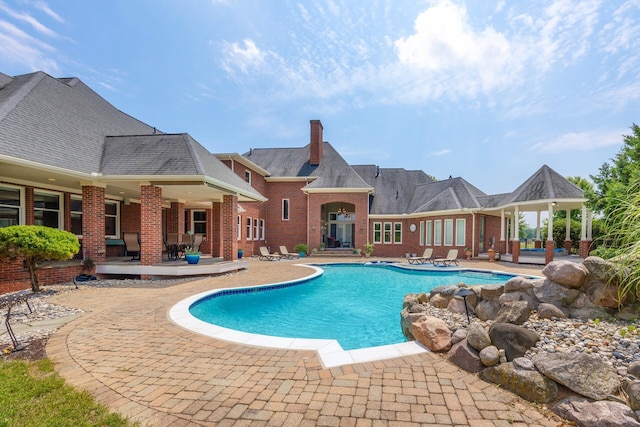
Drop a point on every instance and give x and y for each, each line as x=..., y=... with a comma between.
x=35, y=243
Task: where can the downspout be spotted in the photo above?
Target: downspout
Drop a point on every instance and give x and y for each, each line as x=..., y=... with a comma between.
x=306, y=182
x=473, y=234
x=231, y=160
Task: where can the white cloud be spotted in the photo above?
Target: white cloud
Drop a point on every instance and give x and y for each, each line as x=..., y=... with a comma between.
x=43, y=6
x=243, y=56
x=579, y=141
x=42, y=29
x=441, y=152
x=18, y=47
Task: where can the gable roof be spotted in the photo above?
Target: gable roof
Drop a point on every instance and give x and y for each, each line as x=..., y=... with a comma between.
x=545, y=184
x=445, y=195
x=332, y=172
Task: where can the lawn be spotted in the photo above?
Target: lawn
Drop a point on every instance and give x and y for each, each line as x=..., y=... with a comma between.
x=33, y=394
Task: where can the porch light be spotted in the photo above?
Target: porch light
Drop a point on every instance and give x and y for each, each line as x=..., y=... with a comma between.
x=342, y=211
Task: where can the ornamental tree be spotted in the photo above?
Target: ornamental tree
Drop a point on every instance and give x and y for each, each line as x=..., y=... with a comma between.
x=36, y=243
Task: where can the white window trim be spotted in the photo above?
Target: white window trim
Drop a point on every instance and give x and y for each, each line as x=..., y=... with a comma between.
x=288, y=210
x=60, y=203
x=21, y=214
x=397, y=227
x=384, y=233
x=249, y=227
x=247, y=176
x=437, y=237
x=193, y=220
x=461, y=240
x=379, y=240
x=256, y=229
x=262, y=229
x=421, y=233
x=117, y=216
x=428, y=234
x=239, y=223
x=448, y=237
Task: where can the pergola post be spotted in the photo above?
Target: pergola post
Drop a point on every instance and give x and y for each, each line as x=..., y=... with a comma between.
x=550, y=244
x=502, y=248
x=585, y=233
x=515, y=243
x=567, y=238
x=538, y=243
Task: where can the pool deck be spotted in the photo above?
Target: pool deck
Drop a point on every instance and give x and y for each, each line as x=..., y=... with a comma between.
x=128, y=353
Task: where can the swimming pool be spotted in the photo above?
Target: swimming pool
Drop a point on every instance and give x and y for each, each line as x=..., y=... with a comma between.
x=357, y=305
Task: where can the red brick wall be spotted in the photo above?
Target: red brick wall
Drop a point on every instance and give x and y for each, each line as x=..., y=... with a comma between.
x=216, y=229
x=229, y=228
x=360, y=201
x=278, y=231
x=257, y=181
x=130, y=217
x=29, y=218
x=315, y=144
x=253, y=210
x=13, y=277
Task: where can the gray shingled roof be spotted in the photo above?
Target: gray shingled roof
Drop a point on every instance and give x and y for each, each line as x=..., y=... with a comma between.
x=448, y=194
x=545, y=184
x=59, y=122
x=165, y=154
x=332, y=172
x=393, y=187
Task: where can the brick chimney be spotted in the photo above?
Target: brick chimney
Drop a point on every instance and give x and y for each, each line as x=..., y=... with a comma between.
x=315, y=146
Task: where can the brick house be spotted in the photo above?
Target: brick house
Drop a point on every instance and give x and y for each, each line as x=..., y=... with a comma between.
x=71, y=160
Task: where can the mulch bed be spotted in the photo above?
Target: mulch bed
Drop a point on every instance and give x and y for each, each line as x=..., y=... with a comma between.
x=35, y=350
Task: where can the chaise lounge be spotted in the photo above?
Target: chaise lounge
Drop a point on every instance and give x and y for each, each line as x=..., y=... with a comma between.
x=427, y=256
x=288, y=255
x=451, y=258
x=266, y=256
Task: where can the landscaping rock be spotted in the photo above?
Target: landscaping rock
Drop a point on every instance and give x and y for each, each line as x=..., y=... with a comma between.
x=456, y=305
x=523, y=363
x=406, y=320
x=530, y=385
x=546, y=290
x=519, y=296
x=566, y=273
x=465, y=357
x=587, y=413
x=583, y=308
x=586, y=374
x=516, y=312
x=492, y=291
x=601, y=293
x=518, y=283
x=423, y=298
x=548, y=311
x=489, y=356
x=514, y=339
x=487, y=309
x=477, y=336
x=439, y=301
x=432, y=333
x=632, y=389
x=599, y=268
x=445, y=290
x=634, y=368
x=458, y=335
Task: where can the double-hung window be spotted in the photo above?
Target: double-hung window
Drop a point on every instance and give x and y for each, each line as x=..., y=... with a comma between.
x=239, y=224
x=10, y=206
x=429, y=233
x=397, y=232
x=437, y=232
x=461, y=232
x=262, y=229
x=249, y=228
x=448, y=232
x=256, y=229
x=111, y=222
x=388, y=238
x=377, y=232
x=76, y=215
x=47, y=209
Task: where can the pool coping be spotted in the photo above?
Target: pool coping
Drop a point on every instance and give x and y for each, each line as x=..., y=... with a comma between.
x=330, y=352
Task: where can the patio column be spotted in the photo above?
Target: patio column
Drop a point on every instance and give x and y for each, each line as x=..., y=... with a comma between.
x=550, y=244
x=93, y=244
x=175, y=217
x=229, y=228
x=585, y=237
x=538, y=243
x=216, y=229
x=150, y=226
x=515, y=243
x=502, y=248
x=567, y=238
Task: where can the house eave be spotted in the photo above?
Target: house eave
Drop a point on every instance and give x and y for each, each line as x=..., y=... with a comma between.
x=243, y=161
x=337, y=190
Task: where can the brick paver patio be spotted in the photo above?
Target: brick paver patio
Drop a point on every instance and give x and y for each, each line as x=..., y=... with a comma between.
x=131, y=357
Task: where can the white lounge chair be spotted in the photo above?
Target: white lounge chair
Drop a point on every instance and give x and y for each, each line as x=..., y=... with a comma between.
x=288, y=255
x=427, y=256
x=266, y=256
x=451, y=258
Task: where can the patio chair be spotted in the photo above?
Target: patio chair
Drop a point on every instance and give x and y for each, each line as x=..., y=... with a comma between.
x=131, y=244
x=451, y=258
x=187, y=240
x=288, y=255
x=198, y=238
x=427, y=256
x=266, y=256
x=171, y=245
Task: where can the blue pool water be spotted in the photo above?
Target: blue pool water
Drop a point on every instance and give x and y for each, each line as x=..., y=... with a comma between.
x=357, y=305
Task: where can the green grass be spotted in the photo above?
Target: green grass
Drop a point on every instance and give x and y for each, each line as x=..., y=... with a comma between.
x=33, y=394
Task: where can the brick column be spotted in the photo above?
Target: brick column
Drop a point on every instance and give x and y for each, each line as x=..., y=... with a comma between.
x=538, y=244
x=229, y=228
x=583, y=248
x=67, y=211
x=549, y=250
x=29, y=218
x=205, y=248
x=501, y=247
x=150, y=225
x=175, y=218
x=515, y=251
x=567, y=246
x=93, y=244
x=216, y=230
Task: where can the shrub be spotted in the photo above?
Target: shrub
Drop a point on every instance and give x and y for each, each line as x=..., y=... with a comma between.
x=300, y=247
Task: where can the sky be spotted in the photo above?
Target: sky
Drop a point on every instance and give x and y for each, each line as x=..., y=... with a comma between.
x=489, y=90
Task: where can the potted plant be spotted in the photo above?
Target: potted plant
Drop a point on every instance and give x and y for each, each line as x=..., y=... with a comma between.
x=368, y=249
x=468, y=252
x=314, y=251
x=492, y=254
x=88, y=268
x=322, y=246
x=240, y=253
x=301, y=248
x=192, y=256
x=357, y=251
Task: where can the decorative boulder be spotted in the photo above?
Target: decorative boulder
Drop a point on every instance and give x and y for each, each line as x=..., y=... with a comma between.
x=423, y=298
x=585, y=412
x=602, y=293
x=634, y=368
x=439, y=301
x=546, y=290
x=518, y=284
x=466, y=357
x=432, y=332
x=478, y=337
x=487, y=309
x=586, y=374
x=523, y=363
x=456, y=305
x=513, y=339
x=492, y=291
x=548, y=311
x=519, y=296
x=406, y=320
x=445, y=290
x=632, y=389
x=583, y=308
x=566, y=273
x=458, y=335
x=516, y=312
x=489, y=356
x=530, y=385
x=599, y=268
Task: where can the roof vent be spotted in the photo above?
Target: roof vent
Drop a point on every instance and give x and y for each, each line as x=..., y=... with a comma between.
x=377, y=171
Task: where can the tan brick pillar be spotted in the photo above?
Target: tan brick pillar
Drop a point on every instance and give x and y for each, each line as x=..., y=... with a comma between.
x=93, y=244
x=150, y=225
x=229, y=228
